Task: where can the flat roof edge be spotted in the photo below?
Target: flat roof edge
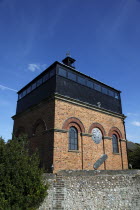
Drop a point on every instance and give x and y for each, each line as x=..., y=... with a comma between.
x=73, y=69
x=69, y=67
x=37, y=76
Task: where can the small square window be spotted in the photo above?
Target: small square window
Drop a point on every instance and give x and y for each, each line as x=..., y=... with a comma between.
x=39, y=82
x=52, y=73
x=28, y=89
x=81, y=80
x=33, y=86
x=62, y=72
x=72, y=76
x=23, y=93
x=97, y=87
x=89, y=84
x=116, y=95
x=45, y=77
x=111, y=93
x=20, y=96
x=104, y=90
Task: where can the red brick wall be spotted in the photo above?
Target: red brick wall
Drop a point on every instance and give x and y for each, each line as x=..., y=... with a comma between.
x=38, y=124
x=47, y=126
x=88, y=152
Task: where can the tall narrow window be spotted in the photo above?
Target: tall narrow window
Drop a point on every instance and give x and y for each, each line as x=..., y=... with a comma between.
x=73, y=139
x=115, y=144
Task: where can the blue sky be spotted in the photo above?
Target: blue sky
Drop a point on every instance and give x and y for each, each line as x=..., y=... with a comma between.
x=102, y=35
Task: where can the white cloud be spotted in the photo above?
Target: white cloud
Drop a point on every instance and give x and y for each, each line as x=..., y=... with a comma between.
x=132, y=114
x=33, y=67
x=136, y=123
x=2, y=87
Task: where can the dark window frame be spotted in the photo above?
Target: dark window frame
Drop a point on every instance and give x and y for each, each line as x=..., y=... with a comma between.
x=34, y=86
x=62, y=72
x=72, y=76
x=111, y=93
x=89, y=84
x=105, y=90
x=115, y=144
x=39, y=82
x=46, y=77
x=73, y=139
x=52, y=72
x=29, y=89
x=81, y=80
x=97, y=87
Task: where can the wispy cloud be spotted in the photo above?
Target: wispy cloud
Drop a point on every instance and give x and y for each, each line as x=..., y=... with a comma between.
x=34, y=67
x=2, y=87
x=133, y=114
x=136, y=123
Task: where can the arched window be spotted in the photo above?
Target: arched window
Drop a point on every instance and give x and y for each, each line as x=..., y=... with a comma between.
x=115, y=144
x=73, y=138
x=39, y=127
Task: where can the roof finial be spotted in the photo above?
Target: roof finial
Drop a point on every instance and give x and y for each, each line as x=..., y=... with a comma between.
x=68, y=54
x=68, y=60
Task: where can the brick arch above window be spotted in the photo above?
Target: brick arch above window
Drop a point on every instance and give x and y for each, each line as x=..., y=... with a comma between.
x=39, y=127
x=116, y=131
x=20, y=131
x=97, y=125
x=75, y=122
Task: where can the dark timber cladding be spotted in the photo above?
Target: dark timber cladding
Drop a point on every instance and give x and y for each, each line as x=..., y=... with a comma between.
x=66, y=81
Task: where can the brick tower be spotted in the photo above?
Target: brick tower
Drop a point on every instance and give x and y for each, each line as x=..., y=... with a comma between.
x=72, y=119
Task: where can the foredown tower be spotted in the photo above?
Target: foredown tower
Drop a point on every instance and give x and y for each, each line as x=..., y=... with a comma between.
x=72, y=119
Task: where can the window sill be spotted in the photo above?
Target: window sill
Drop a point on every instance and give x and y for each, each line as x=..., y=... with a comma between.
x=115, y=153
x=77, y=151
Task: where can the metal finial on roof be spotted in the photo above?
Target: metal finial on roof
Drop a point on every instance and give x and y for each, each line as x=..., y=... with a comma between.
x=68, y=54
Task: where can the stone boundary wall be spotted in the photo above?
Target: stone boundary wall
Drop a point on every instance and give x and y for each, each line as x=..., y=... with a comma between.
x=93, y=190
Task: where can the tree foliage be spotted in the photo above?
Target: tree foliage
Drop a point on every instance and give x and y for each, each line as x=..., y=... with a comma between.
x=134, y=158
x=21, y=184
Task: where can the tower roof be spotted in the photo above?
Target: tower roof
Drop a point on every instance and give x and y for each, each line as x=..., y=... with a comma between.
x=69, y=61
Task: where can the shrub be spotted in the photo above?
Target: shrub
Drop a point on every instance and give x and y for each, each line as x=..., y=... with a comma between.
x=21, y=184
x=134, y=158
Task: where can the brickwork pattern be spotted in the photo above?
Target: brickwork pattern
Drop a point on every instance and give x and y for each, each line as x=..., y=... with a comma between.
x=42, y=122
x=68, y=114
x=37, y=123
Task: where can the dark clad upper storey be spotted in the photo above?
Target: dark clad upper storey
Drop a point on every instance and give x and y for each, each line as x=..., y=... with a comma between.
x=64, y=80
